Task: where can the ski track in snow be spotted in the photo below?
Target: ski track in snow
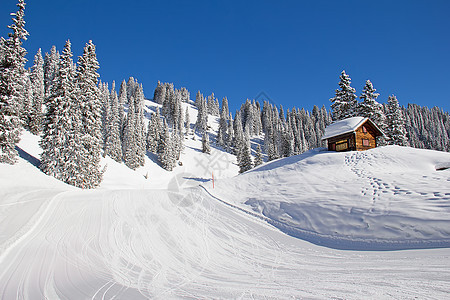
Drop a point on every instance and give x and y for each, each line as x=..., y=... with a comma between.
x=128, y=244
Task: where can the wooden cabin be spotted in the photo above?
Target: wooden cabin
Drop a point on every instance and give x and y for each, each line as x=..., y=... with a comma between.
x=352, y=134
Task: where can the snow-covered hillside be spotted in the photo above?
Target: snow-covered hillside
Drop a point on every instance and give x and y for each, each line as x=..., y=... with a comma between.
x=165, y=236
x=385, y=198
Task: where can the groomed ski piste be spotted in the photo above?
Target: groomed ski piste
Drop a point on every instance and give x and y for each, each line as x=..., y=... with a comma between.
x=312, y=226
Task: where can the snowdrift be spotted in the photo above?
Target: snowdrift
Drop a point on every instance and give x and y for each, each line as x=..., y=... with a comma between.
x=387, y=198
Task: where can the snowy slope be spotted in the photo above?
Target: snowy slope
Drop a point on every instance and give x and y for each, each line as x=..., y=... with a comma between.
x=142, y=243
x=386, y=198
x=166, y=237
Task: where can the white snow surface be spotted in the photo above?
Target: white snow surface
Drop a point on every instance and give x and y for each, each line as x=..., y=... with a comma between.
x=382, y=199
x=137, y=238
x=343, y=126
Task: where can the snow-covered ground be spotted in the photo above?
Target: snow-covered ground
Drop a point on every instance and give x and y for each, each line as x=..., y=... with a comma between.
x=166, y=237
x=382, y=199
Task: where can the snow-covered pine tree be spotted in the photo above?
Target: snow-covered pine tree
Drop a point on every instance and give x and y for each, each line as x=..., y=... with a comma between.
x=223, y=126
x=62, y=149
x=258, y=156
x=185, y=95
x=245, y=157
x=257, y=116
x=159, y=94
x=206, y=148
x=139, y=125
x=187, y=122
x=91, y=107
x=129, y=144
x=198, y=99
x=12, y=82
x=281, y=113
x=369, y=107
x=165, y=150
x=287, y=142
x=239, y=141
x=344, y=103
x=113, y=143
x=230, y=135
x=202, y=116
x=178, y=112
x=395, y=123
x=167, y=104
x=250, y=118
x=122, y=102
x=212, y=105
x=37, y=81
x=51, y=65
x=131, y=87
x=106, y=112
x=178, y=145
x=152, y=134
x=26, y=104
x=269, y=131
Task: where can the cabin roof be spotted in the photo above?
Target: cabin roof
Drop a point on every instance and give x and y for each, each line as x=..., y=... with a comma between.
x=346, y=126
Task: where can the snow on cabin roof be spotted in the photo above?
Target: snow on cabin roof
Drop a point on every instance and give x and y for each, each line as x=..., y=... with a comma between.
x=343, y=126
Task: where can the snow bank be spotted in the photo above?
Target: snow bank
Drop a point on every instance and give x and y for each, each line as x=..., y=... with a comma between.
x=387, y=198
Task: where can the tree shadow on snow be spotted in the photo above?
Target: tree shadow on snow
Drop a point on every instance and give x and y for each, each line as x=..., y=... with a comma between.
x=28, y=157
x=197, y=179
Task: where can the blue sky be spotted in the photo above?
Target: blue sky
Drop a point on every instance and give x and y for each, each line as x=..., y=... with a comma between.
x=292, y=51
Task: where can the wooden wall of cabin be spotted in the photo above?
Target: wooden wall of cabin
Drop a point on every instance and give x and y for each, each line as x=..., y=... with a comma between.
x=365, y=138
x=345, y=142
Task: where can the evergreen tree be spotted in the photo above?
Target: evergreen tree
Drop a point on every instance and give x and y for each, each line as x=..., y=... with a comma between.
x=369, y=107
x=139, y=125
x=185, y=95
x=239, y=141
x=113, y=142
x=230, y=135
x=38, y=88
x=12, y=81
x=287, y=143
x=395, y=123
x=198, y=99
x=344, y=103
x=91, y=107
x=106, y=112
x=206, y=148
x=27, y=102
x=178, y=146
x=159, y=94
x=245, y=158
x=51, y=65
x=202, y=116
x=61, y=137
x=129, y=144
x=153, y=132
x=187, y=121
x=165, y=149
x=258, y=156
x=122, y=101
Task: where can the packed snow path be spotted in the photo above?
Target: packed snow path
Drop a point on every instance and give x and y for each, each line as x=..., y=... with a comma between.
x=132, y=244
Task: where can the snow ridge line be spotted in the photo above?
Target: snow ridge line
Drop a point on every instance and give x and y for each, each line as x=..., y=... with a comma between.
x=340, y=242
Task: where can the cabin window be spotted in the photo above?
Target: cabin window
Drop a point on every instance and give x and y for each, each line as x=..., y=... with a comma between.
x=364, y=129
x=341, y=146
x=366, y=142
